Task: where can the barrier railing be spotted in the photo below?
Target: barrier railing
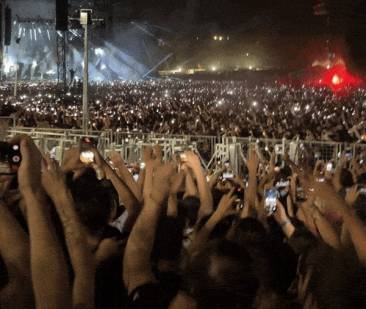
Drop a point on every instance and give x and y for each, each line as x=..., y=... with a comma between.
x=210, y=148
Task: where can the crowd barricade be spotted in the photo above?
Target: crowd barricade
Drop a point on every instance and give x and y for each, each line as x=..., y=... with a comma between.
x=211, y=149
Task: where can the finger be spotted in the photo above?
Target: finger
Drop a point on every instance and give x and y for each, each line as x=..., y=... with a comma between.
x=231, y=192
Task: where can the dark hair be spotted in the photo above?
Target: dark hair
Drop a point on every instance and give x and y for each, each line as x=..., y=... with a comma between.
x=249, y=230
x=94, y=200
x=221, y=275
x=340, y=282
x=346, y=178
x=188, y=208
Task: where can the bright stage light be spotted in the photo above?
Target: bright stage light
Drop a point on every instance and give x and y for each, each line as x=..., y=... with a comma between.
x=336, y=80
x=99, y=51
x=215, y=37
x=250, y=67
x=255, y=103
x=213, y=68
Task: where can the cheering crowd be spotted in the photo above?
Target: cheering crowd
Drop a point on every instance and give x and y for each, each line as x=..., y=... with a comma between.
x=196, y=108
x=91, y=235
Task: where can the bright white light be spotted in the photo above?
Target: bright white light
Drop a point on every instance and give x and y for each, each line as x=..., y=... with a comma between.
x=34, y=63
x=99, y=51
x=8, y=64
x=213, y=68
x=39, y=30
x=103, y=67
x=336, y=80
x=255, y=103
x=250, y=67
x=215, y=37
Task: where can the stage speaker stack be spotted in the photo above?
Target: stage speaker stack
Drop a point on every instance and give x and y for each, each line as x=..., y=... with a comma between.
x=7, y=24
x=62, y=11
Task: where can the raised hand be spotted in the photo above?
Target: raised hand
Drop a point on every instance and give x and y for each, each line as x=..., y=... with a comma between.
x=226, y=203
x=352, y=195
x=252, y=161
x=53, y=179
x=116, y=158
x=29, y=173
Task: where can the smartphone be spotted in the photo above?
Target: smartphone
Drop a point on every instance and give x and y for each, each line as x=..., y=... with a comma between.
x=329, y=167
x=135, y=177
x=348, y=154
x=320, y=179
x=282, y=184
x=228, y=176
x=270, y=203
x=86, y=146
x=363, y=191
x=87, y=157
x=183, y=157
x=10, y=158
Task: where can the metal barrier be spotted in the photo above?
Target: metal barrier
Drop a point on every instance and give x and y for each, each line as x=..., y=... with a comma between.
x=210, y=148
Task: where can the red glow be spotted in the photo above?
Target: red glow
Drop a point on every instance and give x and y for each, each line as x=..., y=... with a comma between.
x=337, y=78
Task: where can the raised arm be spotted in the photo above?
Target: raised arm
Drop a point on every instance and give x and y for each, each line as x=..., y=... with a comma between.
x=351, y=221
x=126, y=176
x=137, y=268
x=48, y=264
x=14, y=249
x=202, y=235
x=251, y=192
x=205, y=195
x=81, y=257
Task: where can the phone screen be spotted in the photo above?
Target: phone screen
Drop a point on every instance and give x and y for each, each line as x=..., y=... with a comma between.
x=270, y=203
x=10, y=158
x=87, y=157
x=329, y=167
x=228, y=176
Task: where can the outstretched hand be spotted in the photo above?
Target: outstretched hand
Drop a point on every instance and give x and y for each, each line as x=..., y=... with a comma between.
x=29, y=173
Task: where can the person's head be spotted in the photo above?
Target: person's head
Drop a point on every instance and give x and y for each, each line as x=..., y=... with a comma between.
x=221, y=275
x=249, y=230
x=94, y=200
x=189, y=207
x=338, y=284
x=346, y=178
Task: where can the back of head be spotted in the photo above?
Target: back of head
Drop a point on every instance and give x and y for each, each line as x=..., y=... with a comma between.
x=340, y=283
x=222, y=275
x=94, y=201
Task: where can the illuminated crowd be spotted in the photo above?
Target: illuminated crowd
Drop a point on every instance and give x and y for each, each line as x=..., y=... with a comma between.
x=195, y=107
x=95, y=232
